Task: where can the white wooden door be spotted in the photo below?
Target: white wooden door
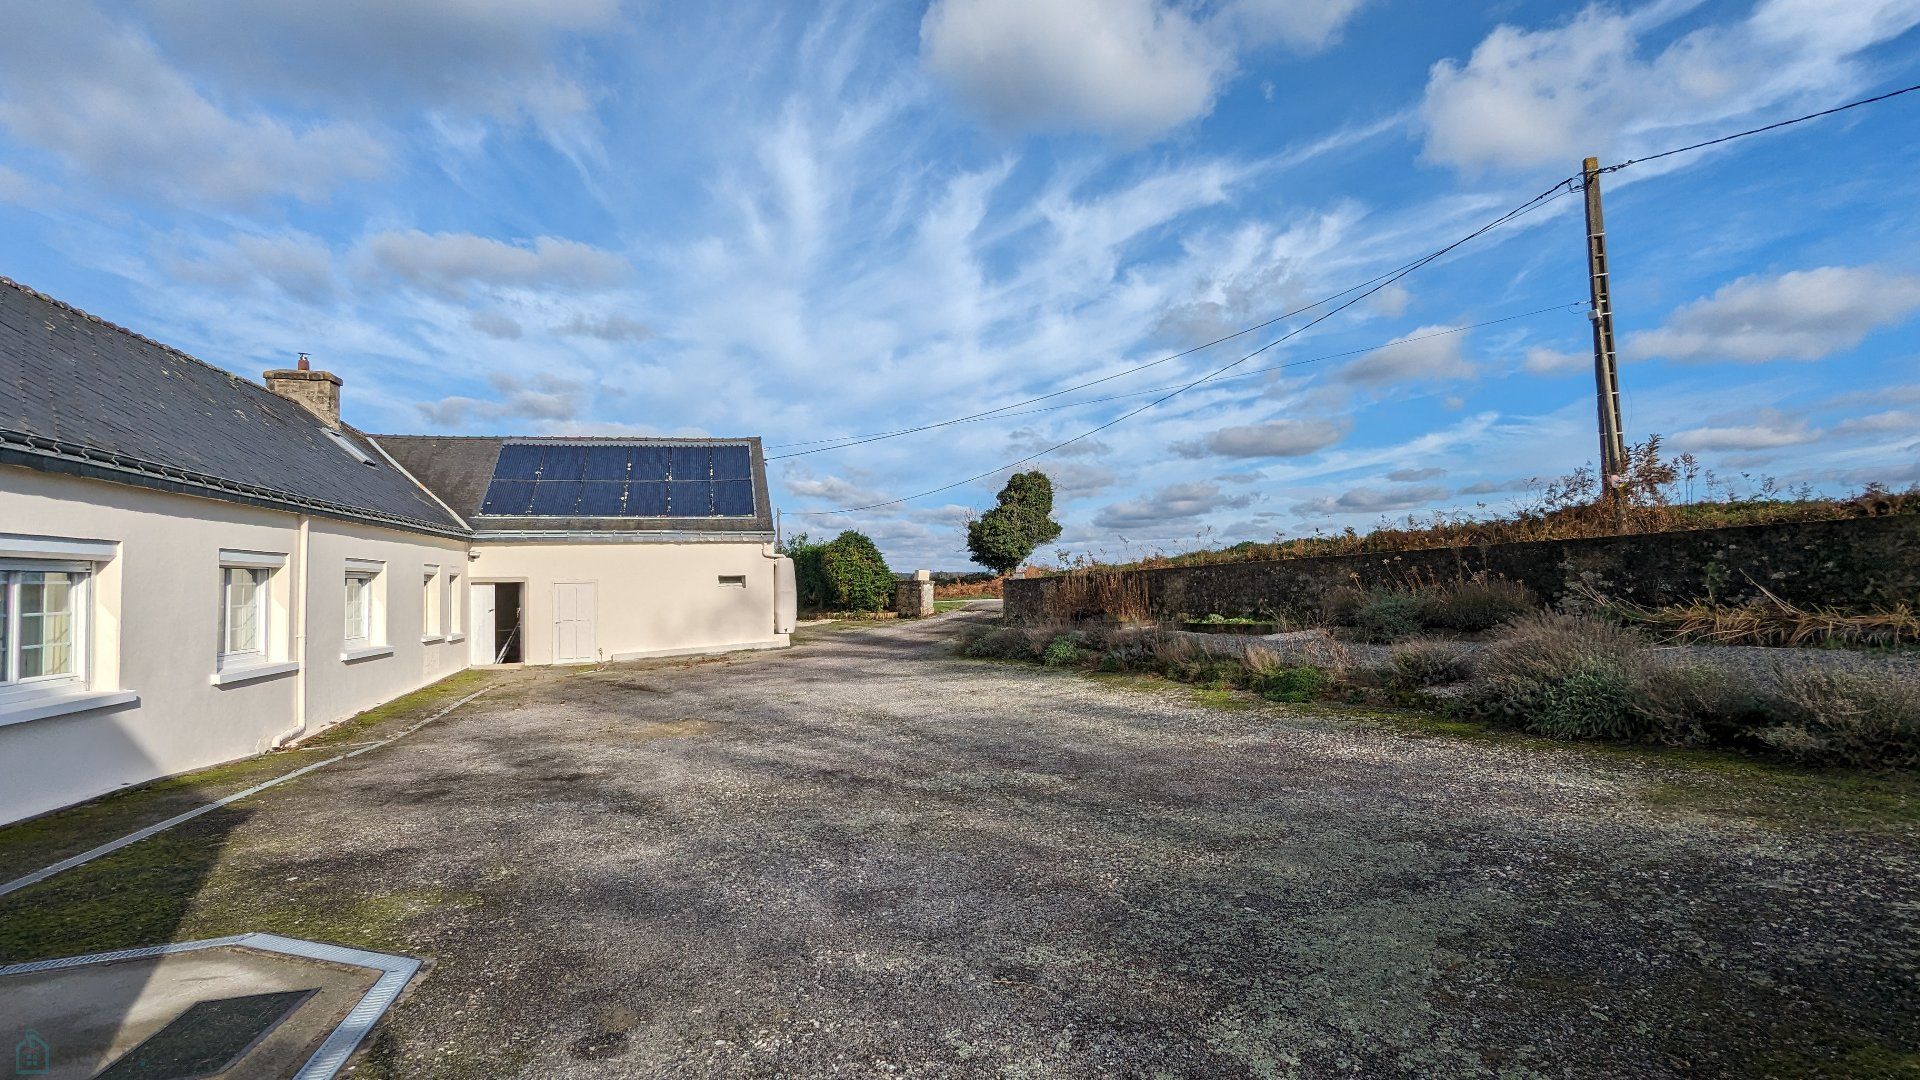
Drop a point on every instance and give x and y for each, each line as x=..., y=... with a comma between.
x=480, y=632
x=573, y=623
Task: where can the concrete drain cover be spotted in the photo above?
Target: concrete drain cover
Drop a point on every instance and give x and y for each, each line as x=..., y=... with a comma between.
x=256, y=1005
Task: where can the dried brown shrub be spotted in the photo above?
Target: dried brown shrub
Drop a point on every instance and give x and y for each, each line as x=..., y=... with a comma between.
x=1097, y=594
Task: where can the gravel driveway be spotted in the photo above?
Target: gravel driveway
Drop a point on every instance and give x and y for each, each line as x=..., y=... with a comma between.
x=866, y=857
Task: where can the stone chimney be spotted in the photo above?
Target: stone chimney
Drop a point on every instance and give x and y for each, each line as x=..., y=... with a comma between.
x=318, y=392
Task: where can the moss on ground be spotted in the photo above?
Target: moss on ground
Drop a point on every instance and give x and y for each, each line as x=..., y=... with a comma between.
x=28, y=845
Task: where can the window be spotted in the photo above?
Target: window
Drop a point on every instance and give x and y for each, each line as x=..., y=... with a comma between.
x=42, y=626
x=456, y=608
x=244, y=606
x=430, y=604
x=733, y=581
x=359, y=607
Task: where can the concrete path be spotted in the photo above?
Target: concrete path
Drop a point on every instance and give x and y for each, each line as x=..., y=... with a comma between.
x=867, y=857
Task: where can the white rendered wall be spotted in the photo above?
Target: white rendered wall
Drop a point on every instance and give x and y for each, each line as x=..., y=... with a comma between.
x=652, y=599
x=155, y=630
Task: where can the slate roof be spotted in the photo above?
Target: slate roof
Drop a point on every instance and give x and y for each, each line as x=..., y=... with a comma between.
x=83, y=396
x=458, y=469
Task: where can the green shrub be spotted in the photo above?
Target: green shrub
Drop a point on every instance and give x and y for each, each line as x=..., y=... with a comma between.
x=811, y=587
x=1597, y=704
x=1428, y=663
x=1295, y=685
x=1567, y=676
x=998, y=643
x=856, y=574
x=1061, y=652
x=1475, y=604
x=1387, y=617
x=1828, y=718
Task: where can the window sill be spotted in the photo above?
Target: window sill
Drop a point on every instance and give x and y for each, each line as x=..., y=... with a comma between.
x=369, y=652
x=456, y=639
x=247, y=673
x=433, y=639
x=79, y=701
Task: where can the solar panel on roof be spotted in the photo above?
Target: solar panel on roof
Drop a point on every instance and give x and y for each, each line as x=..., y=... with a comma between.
x=614, y=480
x=555, y=498
x=601, y=498
x=733, y=498
x=650, y=463
x=732, y=463
x=690, y=498
x=606, y=463
x=517, y=463
x=647, y=500
x=692, y=463
x=508, y=497
x=563, y=463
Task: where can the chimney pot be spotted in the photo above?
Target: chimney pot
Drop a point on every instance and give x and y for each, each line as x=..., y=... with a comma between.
x=318, y=392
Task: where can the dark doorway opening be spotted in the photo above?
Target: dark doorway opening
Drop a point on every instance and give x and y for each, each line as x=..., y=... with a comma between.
x=507, y=638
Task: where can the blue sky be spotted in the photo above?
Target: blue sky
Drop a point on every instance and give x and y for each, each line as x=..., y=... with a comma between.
x=801, y=222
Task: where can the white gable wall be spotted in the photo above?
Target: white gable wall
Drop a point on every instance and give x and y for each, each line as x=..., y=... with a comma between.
x=155, y=632
x=652, y=599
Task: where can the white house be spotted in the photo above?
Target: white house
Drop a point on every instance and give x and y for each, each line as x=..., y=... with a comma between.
x=195, y=568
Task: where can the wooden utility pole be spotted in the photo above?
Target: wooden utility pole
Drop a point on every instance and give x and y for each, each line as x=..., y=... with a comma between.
x=1606, y=375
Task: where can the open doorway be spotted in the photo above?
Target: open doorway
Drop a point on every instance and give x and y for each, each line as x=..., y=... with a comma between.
x=497, y=636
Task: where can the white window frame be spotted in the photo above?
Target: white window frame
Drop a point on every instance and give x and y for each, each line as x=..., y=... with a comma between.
x=431, y=615
x=234, y=666
x=372, y=639
x=262, y=583
x=456, y=617
x=13, y=688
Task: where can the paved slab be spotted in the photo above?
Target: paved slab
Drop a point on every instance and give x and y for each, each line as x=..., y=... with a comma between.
x=867, y=857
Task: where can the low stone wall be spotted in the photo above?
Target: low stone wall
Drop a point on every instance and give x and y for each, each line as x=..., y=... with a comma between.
x=1856, y=563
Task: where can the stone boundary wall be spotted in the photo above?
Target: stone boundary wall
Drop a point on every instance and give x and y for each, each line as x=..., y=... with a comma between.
x=1855, y=563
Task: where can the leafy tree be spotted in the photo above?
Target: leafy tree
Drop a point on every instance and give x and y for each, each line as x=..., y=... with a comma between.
x=856, y=574
x=1003, y=537
x=811, y=587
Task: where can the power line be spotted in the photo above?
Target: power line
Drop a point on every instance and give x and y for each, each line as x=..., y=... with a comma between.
x=861, y=440
x=1556, y=191
x=1761, y=130
x=999, y=415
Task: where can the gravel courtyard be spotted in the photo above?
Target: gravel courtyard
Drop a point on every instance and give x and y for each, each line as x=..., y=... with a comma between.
x=866, y=857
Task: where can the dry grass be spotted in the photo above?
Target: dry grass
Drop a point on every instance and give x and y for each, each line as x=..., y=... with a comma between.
x=1658, y=496
x=968, y=590
x=1103, y=594
x=1768, y=620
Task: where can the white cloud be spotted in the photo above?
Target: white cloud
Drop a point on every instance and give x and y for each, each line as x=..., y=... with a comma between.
x=298, y=264
x=495, y=325
x=1770, y=431
x=1418, y=355
x=1544, y=361
x=450, y=263
x=1802, y=315
x=1892, y=420
x=1364, y=500
x=468, y=55
x=1132, y=68
x=1408, y=476
x=613, y=327
x=836, y=490
x=1305, y=25
x=1127, y=67
x=1171, y=505
x=1530, y=98
x=101, y=99
x=1275, y=438
x=549, y=399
